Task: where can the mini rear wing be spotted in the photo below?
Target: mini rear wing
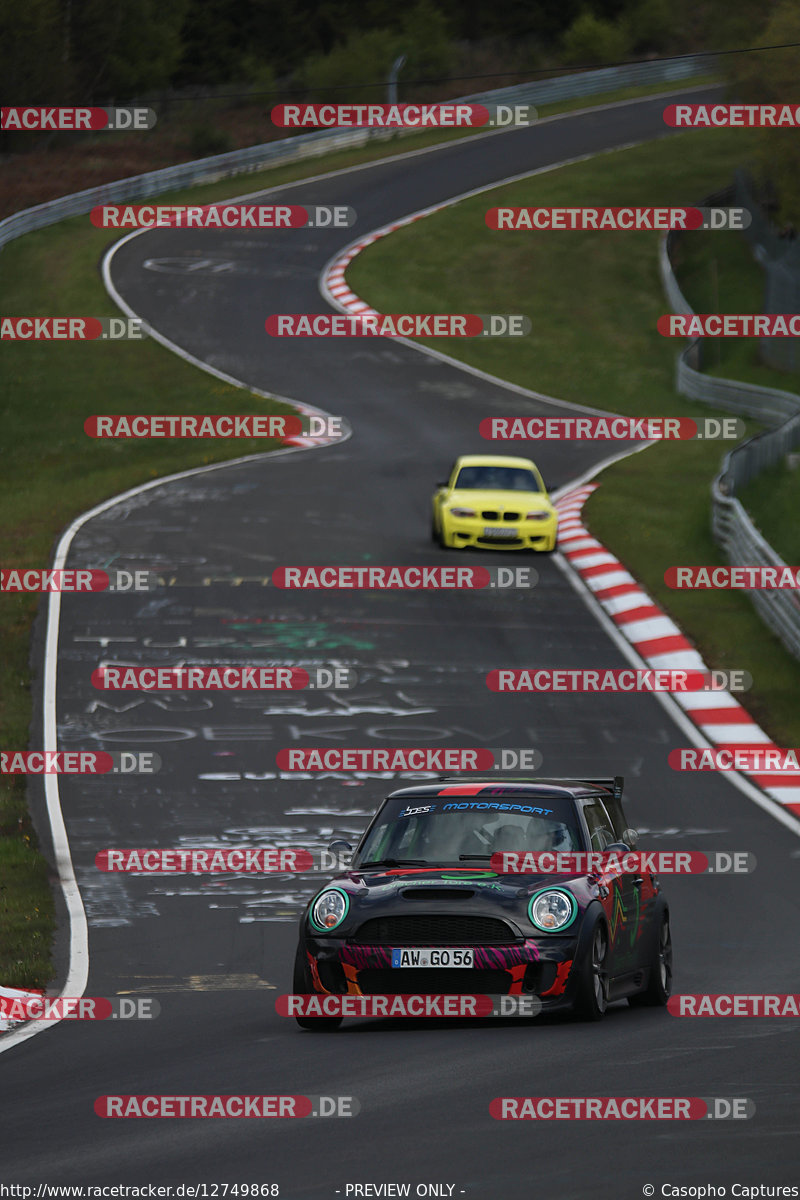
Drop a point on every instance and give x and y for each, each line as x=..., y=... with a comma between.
x=614, y=785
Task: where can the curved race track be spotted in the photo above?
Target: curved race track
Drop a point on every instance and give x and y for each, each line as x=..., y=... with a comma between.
x=212, y=949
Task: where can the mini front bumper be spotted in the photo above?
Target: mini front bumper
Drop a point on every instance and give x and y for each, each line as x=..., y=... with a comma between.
x=536, y=966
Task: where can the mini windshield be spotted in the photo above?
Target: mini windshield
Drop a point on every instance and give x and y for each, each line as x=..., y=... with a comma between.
x=444, y=831
x=497, y=479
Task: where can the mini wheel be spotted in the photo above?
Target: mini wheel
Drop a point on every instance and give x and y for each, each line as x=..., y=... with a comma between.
x=301, y=984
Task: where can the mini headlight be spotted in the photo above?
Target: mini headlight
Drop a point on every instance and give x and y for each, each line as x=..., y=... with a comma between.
x=329, y=909
x=552, y=910
x=462, y=512
x=539, y=515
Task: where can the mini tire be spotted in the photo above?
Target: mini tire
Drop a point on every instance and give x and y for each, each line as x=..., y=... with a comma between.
x=591, y=997
x=659, y=983
x=302, y=984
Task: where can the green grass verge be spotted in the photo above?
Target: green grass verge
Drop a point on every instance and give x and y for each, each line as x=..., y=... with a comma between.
x=653, y=510
x=53, y=472
x=773, y=501
x=593, y=300
x=718, y=273
x=629, y=93
x=722, y=275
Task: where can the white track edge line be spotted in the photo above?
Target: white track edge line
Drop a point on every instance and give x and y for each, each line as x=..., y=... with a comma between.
x=762, y=799
x=78, y=970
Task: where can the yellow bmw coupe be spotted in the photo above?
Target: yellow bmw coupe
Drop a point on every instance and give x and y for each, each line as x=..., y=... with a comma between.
x=494, y=501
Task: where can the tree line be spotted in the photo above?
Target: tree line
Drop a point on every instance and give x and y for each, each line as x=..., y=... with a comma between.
x=96, y=52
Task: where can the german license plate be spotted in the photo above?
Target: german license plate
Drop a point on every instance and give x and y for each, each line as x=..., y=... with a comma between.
x=432, y=956
x=499, y=531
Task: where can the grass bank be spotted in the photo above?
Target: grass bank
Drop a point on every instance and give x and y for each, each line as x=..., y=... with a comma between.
x=593, y=299
x=52, y=472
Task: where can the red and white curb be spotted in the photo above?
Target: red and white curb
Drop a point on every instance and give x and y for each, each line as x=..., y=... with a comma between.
x=661, y=644
x=7, y=993
x=338, y=292
x=333, y=281
x=656, y=638
x=309, y=443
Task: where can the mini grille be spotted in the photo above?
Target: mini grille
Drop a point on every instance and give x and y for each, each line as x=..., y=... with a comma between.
x=433, y=893
x=435, y=930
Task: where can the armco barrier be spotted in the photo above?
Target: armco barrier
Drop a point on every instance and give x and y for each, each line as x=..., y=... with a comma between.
x=308, y=145
x=778, y=252
x=731, y=525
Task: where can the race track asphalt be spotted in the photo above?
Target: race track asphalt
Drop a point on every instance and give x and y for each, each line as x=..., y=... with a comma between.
x=216, y=950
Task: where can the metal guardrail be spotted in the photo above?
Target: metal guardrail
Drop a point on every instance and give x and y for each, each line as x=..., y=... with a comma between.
x=731, y=525
x=308, y=145
x=203, y=170
x=593, y=83
x=744, y=545
x=778, y=252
